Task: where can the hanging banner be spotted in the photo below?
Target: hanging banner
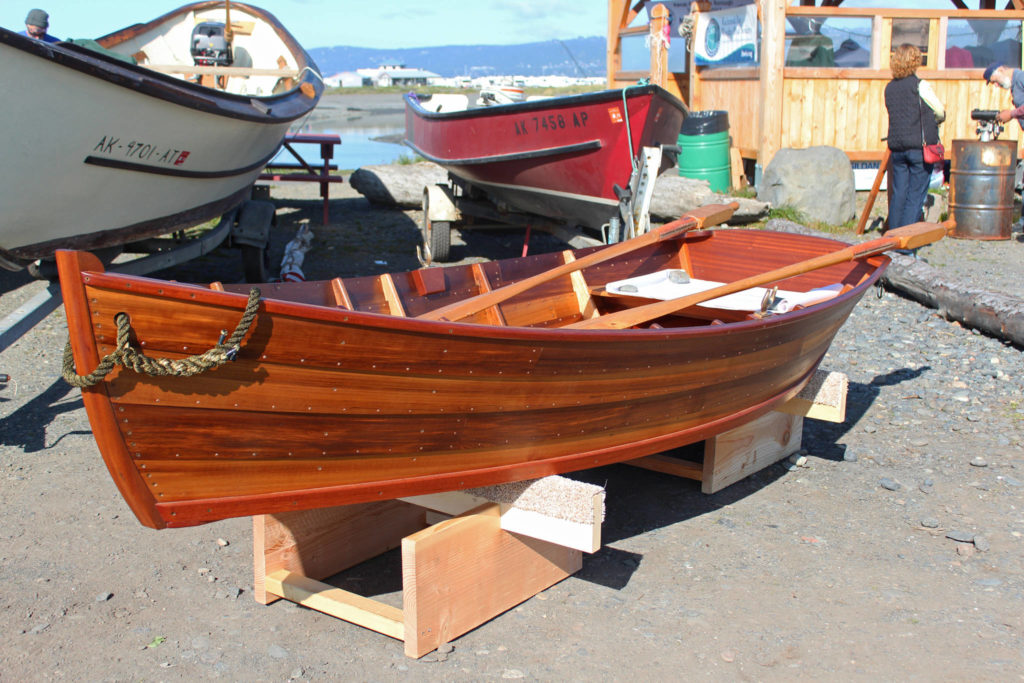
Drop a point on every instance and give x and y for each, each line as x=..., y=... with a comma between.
x=726, y=37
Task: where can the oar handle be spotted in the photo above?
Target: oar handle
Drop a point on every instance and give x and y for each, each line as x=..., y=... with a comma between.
x=700, y=218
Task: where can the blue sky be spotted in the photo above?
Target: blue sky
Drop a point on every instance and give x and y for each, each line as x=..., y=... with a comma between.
x=322, y=23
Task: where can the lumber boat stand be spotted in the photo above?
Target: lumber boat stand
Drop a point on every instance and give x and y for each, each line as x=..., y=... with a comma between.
x=493, y=547
x=246, y=226
x=463, y=205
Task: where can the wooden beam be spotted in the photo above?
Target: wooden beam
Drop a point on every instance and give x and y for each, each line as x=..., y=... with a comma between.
x=320, y=543
x=394, y=301
x=740, y=452
x=659, y=49
x=773, y=52
x=341, y=297
x=458, y=574
x=670, y=464
x=483, y=286
x=337, y=602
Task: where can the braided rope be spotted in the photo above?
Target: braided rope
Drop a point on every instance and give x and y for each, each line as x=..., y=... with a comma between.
x=124, y=354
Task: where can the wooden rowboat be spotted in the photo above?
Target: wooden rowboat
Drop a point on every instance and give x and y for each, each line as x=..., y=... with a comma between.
x=379, y=387
x=168, y=130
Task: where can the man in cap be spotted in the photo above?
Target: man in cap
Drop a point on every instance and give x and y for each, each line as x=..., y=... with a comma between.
x=1012, y=80
x=36, y=24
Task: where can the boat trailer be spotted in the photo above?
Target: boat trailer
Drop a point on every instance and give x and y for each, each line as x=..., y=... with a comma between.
x=461, y=204
x=247, y=226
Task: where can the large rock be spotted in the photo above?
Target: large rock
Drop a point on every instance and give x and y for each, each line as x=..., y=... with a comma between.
x=397, y=184
x=674, y=195
x=817, y=182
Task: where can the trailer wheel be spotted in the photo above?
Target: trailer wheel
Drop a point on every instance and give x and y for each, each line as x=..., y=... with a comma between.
x=437, y=235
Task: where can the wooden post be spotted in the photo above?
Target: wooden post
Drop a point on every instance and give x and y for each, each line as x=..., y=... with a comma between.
x=619, y=16
x=882, y=166
x=773, y=54
x=691, y=64
x=659, y=48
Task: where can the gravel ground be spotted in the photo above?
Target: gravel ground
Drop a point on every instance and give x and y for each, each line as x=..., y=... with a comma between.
x=896, y=553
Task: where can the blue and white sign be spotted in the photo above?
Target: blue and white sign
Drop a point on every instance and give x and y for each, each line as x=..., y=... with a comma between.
x=726, y=37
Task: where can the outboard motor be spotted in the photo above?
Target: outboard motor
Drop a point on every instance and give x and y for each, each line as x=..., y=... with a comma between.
x=210, y=45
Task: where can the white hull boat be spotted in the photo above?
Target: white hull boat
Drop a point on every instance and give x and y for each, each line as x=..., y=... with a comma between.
x=100, y=151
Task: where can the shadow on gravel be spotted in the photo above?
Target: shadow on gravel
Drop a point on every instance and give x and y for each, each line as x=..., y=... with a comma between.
x=25, y=428
x=11, y=280
x=822, y=438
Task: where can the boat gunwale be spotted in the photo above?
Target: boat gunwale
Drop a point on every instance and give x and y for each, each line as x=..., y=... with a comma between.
x=200, y=294
x=551, y=103
x=147, y=82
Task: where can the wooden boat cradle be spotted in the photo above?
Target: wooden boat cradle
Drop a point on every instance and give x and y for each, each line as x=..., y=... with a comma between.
x=466, y=559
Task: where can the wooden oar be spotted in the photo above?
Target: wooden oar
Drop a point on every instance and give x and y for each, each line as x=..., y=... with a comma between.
x=705, y=216
x=907, y=237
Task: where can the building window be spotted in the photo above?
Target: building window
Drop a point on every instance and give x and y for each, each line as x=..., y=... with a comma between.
x=843, y=42
x=976, y=43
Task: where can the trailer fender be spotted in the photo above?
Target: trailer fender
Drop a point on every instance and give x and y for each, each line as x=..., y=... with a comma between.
x=440, y=203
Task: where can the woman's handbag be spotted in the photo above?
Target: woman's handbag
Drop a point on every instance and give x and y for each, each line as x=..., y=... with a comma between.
x=932, y=153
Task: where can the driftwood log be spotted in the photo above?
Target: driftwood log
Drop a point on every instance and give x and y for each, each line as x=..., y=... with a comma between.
x=402, y=185
x=397, y=184
x=994, y=313
x=675, y=196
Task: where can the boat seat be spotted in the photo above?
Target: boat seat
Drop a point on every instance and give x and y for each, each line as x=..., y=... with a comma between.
x=675, y=283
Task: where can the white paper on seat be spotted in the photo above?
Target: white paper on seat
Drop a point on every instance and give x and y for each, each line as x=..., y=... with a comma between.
x=657, y=285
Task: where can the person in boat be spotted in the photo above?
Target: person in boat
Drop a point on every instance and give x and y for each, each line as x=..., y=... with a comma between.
x=36, y=24
x=914, y=115
x=1010, y=79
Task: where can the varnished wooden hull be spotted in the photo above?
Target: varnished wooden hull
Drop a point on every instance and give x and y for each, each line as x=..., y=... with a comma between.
x=329, y=405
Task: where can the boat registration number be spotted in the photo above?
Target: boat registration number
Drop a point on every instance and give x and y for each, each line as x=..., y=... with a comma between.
x=535, y=124
x=140, y=150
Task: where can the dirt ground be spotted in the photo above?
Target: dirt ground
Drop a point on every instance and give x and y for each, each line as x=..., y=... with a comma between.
x=844, y=568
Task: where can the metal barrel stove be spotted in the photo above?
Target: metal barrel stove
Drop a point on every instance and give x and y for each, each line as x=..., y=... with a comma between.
x=981, y=188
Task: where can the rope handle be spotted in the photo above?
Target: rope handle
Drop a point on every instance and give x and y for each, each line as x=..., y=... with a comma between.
x=124, y=354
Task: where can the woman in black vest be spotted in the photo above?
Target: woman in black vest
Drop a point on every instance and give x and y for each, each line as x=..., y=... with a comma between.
x=911, y=125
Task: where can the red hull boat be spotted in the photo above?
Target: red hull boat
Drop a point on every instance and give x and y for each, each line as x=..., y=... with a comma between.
x=559, y=157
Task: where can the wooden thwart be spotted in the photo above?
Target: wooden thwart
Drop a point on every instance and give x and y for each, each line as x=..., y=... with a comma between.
x=456, y=574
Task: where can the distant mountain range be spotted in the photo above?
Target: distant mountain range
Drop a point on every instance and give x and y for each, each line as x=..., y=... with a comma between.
x=573, y=57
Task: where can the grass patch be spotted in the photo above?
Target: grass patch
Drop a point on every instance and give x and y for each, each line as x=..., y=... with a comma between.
x=408, y=160
x=788, y=213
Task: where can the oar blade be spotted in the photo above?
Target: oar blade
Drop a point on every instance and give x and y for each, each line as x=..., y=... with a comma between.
x=916, y=235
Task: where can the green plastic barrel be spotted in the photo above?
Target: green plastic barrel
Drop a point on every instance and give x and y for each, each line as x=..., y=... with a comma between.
x=704, y=145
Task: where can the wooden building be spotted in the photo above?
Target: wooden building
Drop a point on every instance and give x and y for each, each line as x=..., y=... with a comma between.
x=818, y=73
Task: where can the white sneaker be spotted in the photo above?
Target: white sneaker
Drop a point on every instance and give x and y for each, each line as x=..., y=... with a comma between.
x=1018, y=226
